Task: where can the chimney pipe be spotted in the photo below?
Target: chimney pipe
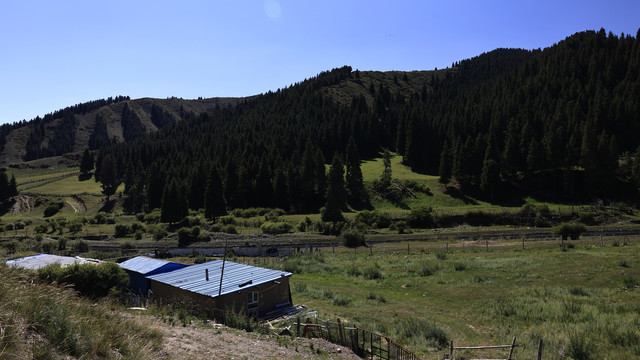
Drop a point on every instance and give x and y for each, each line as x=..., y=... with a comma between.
x=206, y=274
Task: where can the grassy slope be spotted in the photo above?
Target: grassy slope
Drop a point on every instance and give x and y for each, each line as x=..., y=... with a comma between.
x=46, y=322
x=571, y=299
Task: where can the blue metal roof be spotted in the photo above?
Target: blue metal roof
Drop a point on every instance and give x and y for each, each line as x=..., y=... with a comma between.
x=192, y=278
x=145, y=265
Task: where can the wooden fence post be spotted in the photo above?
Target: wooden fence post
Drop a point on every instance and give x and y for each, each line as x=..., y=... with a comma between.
x=451, y=351
x=513, y=344
x=298, y=327
x=487, y=244
x=340, y=332
x=540, y=349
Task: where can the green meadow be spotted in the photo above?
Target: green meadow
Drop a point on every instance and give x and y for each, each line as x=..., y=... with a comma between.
x=582, y=300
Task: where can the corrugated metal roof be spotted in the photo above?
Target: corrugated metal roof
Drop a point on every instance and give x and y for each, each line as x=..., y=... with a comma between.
x=36, y=262
x=143, y=264
x=192, y=278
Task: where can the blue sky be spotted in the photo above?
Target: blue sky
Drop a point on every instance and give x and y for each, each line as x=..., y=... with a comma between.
x=59, y=53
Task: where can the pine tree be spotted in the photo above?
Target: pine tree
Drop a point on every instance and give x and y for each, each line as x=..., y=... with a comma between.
x=214, y=202
x=446, y=164
x=86, y=164
x=353, y=178
x=109, y=176
x=264, y=187
x=174, y=204
x=336, y=194
x=4, y=186
x=13, y=186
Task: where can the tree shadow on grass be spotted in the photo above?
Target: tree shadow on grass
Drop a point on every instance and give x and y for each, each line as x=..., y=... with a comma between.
x=455, y=193
x=85, y=177
x=108, y=206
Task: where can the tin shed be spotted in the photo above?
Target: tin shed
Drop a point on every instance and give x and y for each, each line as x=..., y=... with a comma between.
x=250, y=289
x=140, y=267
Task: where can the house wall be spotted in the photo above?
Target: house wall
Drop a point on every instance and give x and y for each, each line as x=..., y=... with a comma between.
x=270, y=295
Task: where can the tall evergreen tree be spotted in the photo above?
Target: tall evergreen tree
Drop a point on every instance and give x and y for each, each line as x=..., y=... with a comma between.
x=86, y=164
x=174, y=204
x=353, y=178
x=336, y=193
x=214, y=202
x=109, y=176
x=446, y=164
x=13, y=186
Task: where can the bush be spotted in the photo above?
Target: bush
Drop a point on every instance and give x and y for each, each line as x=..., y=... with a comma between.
x=88, y=279
x=401, y=226
x=122, y=230
x=81, y=246
x=153, y=217
x=158, y=232
x=187, y=236
x=215, y=227
x=352, y=238
x=41, y=228
x=420, y=217
x=228, y=220
x=62, y=244
x=276, y=228
x=375, y=219
x=571, y=230
x=372, y=272
x=75, y=227
x=52, y=210
x=416, y=329
x=229, y=229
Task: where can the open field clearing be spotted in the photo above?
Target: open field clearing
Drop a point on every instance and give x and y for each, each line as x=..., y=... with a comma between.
x=583, y=299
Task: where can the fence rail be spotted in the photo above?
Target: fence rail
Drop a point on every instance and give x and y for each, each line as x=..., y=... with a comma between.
x=509, y=357
x=362, y=342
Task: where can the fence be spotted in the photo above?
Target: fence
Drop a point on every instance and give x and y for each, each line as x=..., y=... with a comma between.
x=510, y=347
x=363, y=343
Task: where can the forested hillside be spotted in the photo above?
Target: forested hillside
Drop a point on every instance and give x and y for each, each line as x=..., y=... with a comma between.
x=564, y=120
x=96, y=124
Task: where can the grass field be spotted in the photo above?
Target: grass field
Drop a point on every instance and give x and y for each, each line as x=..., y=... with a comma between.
x=583, y=301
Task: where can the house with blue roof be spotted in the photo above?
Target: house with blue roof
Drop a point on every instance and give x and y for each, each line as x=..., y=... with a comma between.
x=244, y=288
x=140, y=267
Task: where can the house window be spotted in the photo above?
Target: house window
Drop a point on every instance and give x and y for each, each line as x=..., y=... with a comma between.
x=252, y=302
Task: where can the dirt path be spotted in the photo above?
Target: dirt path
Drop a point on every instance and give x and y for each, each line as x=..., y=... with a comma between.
x=219, y=342
x=77, y=204
x=23, y=205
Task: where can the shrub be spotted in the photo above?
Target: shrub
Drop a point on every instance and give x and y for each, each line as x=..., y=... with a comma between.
x=571, y=230
x=100, y=218
x=153, y=217
x=341, y=300
x=81, y=246
x=401, y=226
x=122, y=230
x=62, y=244
x=229, y=229
x=88, y=279
x=187, y=236
x=8, y=227
x=41, y=228
x=138, y=235
x=215, y=227
x=352, y=238
x=373, y=218
x=228, y=220
x=420, y=216
x=75, y=227
x=276, y=227
x=136, y=226
x=51, y=210
x=302, y=226
x=158, y=232
x=416, y=329
x=372, y=272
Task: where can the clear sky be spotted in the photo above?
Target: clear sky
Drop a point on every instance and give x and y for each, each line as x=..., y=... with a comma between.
x=59, y=53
